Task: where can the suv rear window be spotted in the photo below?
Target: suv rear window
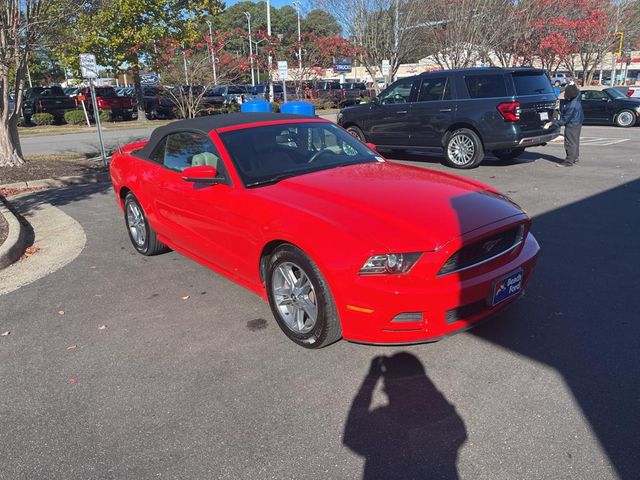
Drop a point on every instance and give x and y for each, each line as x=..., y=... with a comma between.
x=486, y=86
x=531, y=83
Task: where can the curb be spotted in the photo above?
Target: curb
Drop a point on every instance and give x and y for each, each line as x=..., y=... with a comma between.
x=62, y=181
x=17, y=239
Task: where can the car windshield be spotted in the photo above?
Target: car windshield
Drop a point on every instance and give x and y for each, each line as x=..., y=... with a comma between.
x=105, y=92
x=266, y=155
x=48, y=91
x=613, y=93
x=531, y=83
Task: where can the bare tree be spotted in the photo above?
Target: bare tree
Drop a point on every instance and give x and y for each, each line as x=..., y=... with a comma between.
x=381, y=30
x=22, y=24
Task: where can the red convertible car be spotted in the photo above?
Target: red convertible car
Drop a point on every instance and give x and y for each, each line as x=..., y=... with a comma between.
x=342, y=243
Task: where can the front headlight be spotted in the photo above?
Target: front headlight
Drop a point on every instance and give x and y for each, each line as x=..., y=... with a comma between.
x=390, y=263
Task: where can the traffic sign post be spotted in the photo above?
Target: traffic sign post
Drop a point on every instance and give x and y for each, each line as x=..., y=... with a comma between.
x=283, y=73
x=81, y=98
x=385, y=71
x=89, y=69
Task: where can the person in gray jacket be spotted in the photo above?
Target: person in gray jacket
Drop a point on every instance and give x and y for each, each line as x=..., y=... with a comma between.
x=571, y=117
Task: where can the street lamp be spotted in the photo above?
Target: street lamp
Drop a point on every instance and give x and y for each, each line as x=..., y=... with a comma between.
x=270, y=57
x=298, y=6
x=213, y=55
x=253, y=78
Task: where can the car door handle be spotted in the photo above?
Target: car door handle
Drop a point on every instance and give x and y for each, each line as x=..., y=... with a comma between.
x=446, y=110
x=402, y=112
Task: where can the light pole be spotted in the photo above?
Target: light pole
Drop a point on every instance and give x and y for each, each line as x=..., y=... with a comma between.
x=253, y=78
x=213, y=55
x=271, y=99
x=297, y=5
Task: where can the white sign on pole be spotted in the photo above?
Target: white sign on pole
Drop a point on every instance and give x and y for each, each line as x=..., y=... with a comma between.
x=88, y=65
x=385, y=67
x=283, y=70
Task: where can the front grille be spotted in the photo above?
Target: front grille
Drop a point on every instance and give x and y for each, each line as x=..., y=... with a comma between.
x=483, y=250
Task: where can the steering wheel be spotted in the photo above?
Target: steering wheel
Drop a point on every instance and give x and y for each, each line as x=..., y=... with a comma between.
x=317, y=155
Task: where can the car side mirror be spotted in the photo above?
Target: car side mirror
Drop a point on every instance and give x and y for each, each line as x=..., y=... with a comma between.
x=203, y=174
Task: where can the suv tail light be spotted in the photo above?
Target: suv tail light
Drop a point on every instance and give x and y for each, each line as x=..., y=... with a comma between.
x=510, y=111
x=630, y=92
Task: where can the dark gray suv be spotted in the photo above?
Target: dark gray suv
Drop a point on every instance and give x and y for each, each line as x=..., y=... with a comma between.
x=462, y=113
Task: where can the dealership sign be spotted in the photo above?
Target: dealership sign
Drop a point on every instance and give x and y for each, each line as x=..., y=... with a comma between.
x=342, y=65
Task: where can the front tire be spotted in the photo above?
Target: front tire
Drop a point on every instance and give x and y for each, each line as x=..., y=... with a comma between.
x=463, y=149
x=142, y=236
x=356, y=132
x=625, y=119
x=300, y=299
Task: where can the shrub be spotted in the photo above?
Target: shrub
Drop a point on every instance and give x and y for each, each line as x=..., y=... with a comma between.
x=365, y=100
x=42, y=119
x=275, y=107
x=235, y=107
x=74, y=117
x=105, y=115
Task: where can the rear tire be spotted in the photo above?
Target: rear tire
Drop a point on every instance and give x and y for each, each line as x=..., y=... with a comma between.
x=300, y=299
x=356, y=132
x=142, y=236
x=463, y=149
x=625, y=119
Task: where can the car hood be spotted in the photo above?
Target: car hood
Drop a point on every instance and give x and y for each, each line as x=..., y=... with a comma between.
x=392, y=205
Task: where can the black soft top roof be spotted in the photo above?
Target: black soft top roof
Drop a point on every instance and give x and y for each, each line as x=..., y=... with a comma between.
x=213, y=122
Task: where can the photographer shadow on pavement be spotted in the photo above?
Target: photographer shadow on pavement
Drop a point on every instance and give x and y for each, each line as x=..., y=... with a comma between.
x=416, y=435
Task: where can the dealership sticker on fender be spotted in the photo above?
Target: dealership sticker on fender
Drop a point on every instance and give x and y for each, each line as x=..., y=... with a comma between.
x=507, y=286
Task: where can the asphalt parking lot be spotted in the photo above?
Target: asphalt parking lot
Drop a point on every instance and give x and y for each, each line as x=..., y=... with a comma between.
x=190, y=378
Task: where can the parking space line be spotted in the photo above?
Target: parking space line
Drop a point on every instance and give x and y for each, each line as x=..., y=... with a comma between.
x=600, y=141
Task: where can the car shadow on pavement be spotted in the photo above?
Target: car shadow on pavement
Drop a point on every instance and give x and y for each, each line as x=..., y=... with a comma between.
x=581, y=314
x=416, y=156
x=416, y=435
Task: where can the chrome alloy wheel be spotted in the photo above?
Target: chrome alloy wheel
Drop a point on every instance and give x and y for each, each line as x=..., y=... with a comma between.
x=135, y=222
x=295, y=297
x=461, y=149
x=625, y=118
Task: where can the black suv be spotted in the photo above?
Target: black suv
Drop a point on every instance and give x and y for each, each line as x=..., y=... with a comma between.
x=463, y=113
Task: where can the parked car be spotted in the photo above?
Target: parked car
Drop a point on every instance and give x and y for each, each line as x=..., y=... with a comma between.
x=340, y=242
x=352, y=93
x=46, y=100
x=227, y=94
x=261, y=92
x=631, y=92
x=610, y=106
x=158, y=103
x=563, y=78
x=108, y=100
x=462, y=113
x=12, y=102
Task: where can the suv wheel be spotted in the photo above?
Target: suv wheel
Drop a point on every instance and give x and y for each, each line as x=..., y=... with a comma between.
x=625, y=118
x=463, y=149
x=356, y=132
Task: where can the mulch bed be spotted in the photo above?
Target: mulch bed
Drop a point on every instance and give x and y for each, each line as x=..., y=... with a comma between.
x=4, y=229
x=38, y=169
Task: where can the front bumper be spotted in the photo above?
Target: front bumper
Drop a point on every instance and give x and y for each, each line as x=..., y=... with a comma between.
x=447, y=304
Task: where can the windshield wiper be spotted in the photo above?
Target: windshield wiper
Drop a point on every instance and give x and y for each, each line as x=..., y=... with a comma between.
x=272, y=180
